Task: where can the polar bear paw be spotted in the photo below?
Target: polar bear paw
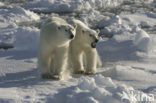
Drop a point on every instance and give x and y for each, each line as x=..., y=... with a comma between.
x=50, y=76
x=79, y=72
x=89, y=72
x=46, y=76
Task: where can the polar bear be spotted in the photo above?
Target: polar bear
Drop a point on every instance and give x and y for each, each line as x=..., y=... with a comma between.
x=83, y=47
x=55, y=36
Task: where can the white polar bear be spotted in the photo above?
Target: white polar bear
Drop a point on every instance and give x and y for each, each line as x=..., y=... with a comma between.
x=55, y=36
x=83, y=47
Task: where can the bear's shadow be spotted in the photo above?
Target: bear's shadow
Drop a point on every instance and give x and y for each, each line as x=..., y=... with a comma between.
x=20, y=79
x=18, y=55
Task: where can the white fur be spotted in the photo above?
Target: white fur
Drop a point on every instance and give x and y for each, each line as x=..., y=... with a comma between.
x=53, y=46
x=80, y=49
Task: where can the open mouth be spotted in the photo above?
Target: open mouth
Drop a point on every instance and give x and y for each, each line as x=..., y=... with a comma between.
x=93, y=45
x=71, y=36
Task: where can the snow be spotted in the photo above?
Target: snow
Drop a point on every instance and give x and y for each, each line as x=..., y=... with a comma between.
x=92, y=17
x=28, y=41
x=95, y=89
x=12, y=34
x=17, y=14
x=20, y=37
x=70, y=5
x=91, y=90
x=127, y=34
x=144, y=1
x=128, y=55
x=146, y=19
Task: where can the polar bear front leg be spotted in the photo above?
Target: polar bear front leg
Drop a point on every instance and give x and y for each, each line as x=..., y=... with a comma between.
x=77, y=63
x=43, y=66
x=91, y=61
x=60, y=61
x=99, y=63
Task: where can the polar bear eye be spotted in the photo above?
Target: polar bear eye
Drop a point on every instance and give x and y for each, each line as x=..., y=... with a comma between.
x=66, y=30
x=83, y=31
x=90, y=35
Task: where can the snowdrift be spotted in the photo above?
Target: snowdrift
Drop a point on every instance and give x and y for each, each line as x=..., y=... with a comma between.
x=16, y=14
x=13, y=35
x=127, y=39
x=63, y=6
x=28, y=41
x=115, y=83
x=97, y=89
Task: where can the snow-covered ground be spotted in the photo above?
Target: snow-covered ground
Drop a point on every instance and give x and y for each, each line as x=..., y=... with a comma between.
x=129, y=55
x=70, y=5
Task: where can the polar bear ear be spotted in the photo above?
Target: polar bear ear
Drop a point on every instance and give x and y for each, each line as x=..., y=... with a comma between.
x=98, y=31
x=83, y=31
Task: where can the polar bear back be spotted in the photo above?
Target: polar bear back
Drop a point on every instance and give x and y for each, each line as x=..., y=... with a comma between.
x=80, y=24
x=54, y=20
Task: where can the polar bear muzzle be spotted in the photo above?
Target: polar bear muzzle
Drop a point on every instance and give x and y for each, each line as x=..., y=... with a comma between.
x=93, y=44
x=71, y=36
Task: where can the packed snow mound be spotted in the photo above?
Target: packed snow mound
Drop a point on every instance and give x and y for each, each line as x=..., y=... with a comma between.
x=93, y=17
x=143, y=1
x=26, y=38
x=128, y=73
x=146, y=19
x=97, y=89
x=10, y=32
x=126, y=39
x=21, y=38
x=70, y=5
x=6, y=33
x=17, y=14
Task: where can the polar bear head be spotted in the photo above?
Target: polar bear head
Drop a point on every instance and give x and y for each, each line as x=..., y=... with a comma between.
x=57, y=31
x=66, y=32
x=85, y=35
x=91, y=37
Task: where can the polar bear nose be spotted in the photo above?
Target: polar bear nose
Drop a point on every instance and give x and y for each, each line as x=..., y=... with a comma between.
x=71, y=36
x=96, y=40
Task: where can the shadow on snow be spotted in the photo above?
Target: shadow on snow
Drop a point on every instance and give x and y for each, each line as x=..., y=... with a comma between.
x=18, y=55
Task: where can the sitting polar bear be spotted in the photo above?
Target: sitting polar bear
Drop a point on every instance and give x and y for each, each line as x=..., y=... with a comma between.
x=83, y=47
x=55, y=36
